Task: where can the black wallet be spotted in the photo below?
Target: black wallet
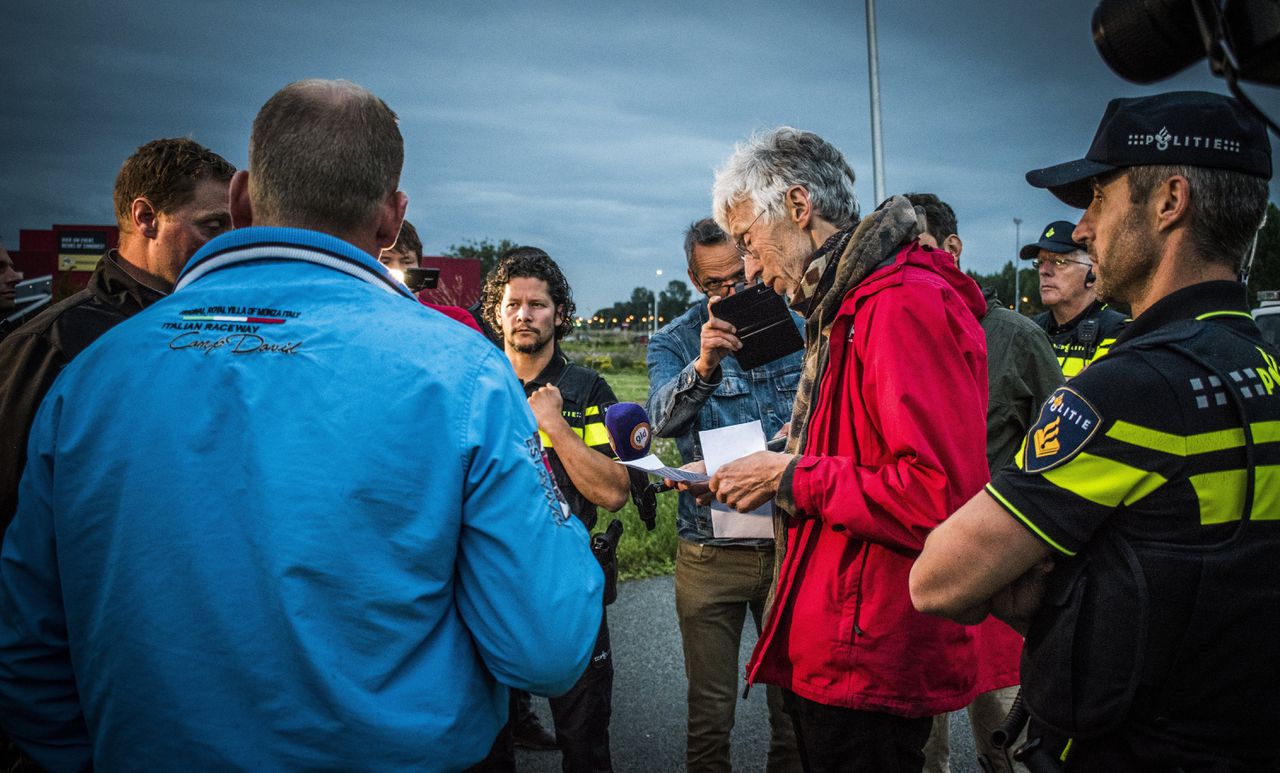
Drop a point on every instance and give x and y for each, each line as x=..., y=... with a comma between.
x=764, y=325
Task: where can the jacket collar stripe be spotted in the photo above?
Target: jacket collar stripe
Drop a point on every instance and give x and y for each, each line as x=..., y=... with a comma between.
x=290, y=252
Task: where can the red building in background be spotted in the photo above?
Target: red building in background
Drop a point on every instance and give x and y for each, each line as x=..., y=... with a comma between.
x=460, y=281
x=69, y=254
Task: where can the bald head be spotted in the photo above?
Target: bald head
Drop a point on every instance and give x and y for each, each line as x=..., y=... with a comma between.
x=324, y=155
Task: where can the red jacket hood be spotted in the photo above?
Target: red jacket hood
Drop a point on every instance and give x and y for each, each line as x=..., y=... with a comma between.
x=939, y=262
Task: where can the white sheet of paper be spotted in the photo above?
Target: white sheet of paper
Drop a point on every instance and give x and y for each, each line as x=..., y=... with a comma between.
x=654, y=466
x=724, y=445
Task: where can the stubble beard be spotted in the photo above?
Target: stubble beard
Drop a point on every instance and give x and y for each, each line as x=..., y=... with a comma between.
x=1131, y=262
x=540, y=343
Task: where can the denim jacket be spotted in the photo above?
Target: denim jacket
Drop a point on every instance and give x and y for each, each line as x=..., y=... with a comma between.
x=681, y=403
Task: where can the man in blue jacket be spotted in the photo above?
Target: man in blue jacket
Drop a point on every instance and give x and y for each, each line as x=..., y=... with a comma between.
x=230, y=554
x=695, y=385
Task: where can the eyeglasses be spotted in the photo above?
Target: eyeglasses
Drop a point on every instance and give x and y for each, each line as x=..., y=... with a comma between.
x=1058, y=262
x=716, y=286
x=740, y=242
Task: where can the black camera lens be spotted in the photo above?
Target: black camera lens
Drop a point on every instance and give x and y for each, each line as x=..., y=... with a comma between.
x=1147, y=40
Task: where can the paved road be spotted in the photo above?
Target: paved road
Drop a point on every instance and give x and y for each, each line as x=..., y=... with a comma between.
x=649, y=714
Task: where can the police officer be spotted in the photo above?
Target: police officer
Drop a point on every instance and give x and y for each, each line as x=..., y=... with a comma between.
x=1080, y=327
x=1135, y=536
x=529, y=300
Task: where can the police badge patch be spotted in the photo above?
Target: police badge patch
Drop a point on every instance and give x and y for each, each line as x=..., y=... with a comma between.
x=1066, y=423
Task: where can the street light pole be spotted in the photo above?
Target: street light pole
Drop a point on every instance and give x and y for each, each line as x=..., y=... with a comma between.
x=1017, y=240
x=873, y=75
x=655, y=302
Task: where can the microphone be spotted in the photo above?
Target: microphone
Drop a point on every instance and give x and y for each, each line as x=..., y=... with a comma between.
x=630, y=436
x=629, y=431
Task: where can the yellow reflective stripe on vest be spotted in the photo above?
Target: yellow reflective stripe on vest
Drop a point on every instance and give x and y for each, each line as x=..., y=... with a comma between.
x=1104, y=346
x=592, y=410
x=1189, y=445
x=1071, y=366
x=1104, y=481
x=1221, y=495
x=546, y=441
x=1212, y=314
x=594, y=434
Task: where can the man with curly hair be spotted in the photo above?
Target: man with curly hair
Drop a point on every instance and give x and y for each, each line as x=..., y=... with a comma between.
x=528, y=299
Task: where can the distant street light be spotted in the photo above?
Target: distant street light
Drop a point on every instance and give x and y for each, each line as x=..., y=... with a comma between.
x=655, y=302
x=1017, y=241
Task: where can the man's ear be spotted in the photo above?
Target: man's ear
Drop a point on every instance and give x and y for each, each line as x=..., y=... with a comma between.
x=392, y=215
x=142, y=214
x=238, y=200
x=1172, y=202
x=694, y=281
x=953, y=245
x=799, y=207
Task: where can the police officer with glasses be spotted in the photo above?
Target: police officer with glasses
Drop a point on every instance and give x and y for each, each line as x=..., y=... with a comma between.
x=1080, y=327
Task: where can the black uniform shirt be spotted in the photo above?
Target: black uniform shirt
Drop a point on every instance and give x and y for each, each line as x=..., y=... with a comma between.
x=586, y=396
x=1150, y=440
x=1084, y=338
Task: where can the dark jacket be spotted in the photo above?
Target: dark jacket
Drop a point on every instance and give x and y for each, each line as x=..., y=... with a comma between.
x=1022, y=372
x=32, y=356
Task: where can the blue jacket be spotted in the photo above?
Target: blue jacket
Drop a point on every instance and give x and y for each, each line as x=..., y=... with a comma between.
x=681, y=403
x=286, y=518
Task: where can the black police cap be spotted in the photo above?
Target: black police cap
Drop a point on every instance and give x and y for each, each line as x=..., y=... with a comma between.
x=1189, y=128
x=1056, y=237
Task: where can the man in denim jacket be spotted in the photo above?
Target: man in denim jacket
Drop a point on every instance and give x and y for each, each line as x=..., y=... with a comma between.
x=694, y=386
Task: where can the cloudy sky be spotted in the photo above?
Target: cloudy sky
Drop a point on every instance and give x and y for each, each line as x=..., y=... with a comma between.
x=590, y=129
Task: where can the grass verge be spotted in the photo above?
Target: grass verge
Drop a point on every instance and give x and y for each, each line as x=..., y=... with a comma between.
x=641, y=553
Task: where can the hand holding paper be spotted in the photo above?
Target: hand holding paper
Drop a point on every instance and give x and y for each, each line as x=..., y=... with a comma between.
x=742, y=510
x=745, y=484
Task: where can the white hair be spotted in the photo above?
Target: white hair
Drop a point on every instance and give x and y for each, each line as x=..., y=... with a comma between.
x=766, y=165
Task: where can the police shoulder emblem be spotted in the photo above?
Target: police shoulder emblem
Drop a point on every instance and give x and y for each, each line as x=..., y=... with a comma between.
x=1066, y=423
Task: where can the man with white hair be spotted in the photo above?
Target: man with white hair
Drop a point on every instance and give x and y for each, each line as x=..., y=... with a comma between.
x=1080, y=327
x=231, y=554
x=887, y=433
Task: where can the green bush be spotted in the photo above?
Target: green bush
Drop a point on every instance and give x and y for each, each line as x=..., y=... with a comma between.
x=643, y=553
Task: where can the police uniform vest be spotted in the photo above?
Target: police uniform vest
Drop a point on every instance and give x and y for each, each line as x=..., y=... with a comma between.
x=1083, y=339
x=1156, y=477
x=585, y=395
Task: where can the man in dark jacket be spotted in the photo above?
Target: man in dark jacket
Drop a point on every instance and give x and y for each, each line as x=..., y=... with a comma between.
x=528, y=298
x=170, y=198
x=1021, y=374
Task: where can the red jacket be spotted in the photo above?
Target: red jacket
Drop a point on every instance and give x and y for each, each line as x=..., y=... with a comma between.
x=896, y=441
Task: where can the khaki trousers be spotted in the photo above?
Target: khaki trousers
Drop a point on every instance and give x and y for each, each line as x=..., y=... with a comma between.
x=715, y=588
